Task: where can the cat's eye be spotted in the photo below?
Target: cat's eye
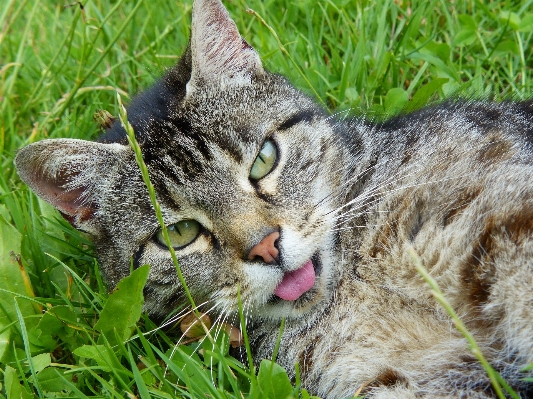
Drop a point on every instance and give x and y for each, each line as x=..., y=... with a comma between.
x=180, y=234
x=265, y=161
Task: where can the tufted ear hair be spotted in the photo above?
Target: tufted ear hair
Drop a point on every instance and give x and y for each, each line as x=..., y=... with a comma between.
x=66, y=172
x=219, y=53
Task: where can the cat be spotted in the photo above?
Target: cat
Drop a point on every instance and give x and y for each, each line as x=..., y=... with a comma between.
x=311, y=219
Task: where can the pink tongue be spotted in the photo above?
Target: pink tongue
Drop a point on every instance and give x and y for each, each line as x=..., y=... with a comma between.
x=296, y=283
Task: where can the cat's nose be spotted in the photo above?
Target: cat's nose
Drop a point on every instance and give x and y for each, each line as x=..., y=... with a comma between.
x=266, y=249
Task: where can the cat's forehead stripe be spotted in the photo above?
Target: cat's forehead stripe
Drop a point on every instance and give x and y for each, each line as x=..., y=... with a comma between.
x=229, y=146
x=306, y=115
x=190, y=146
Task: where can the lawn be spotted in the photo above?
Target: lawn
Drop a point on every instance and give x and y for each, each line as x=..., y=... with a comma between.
x=61, y=62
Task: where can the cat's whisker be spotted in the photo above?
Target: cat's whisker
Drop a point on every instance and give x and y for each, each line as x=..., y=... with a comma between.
x=353, y=211
x=365, y=203
x=246, y=309
x=392, y=180
x=215, y=330
x=347, y=227
x=390, y=193
x=180, y=315
x=389, y=180
x=171, y=320
x=341, y=190
x=335, y=116
x=182, y=338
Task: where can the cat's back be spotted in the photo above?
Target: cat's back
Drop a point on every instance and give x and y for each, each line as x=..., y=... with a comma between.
x=453, y=182
x=455, y=168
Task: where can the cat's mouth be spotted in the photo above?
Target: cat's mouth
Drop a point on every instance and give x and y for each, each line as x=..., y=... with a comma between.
x=297, y=282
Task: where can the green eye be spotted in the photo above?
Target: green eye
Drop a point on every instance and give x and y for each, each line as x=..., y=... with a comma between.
x=264, y=163
x=180, y=234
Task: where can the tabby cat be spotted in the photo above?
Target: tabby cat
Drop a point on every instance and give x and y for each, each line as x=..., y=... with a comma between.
x=311, y=219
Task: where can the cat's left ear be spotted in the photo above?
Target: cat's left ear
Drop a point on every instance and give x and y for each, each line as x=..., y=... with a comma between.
x=68, y=173
x=219, y=53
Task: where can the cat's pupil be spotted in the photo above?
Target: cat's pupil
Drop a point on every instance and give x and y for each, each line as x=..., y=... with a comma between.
x=180, y=234
x=265, y=161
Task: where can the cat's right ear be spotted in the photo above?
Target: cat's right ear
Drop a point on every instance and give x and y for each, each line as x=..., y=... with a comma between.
x=218, y=52
x=66, y=173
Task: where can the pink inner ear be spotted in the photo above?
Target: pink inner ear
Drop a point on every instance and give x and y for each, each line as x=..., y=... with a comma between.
x=68, y=202
x=64, y=171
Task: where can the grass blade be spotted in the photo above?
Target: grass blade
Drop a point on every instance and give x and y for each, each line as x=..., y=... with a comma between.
x=26, y=341
x=496, y=380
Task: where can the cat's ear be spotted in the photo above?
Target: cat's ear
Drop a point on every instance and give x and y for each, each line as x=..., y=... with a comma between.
x=65, y=173
x=219, y=53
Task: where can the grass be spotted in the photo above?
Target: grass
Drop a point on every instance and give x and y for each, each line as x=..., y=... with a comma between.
x=61, y=62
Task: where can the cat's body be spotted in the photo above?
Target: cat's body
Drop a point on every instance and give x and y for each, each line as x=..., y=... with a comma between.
x=463, y=201
x=320, y=234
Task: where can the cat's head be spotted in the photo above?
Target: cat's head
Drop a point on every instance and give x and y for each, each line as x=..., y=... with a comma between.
x=245, y=168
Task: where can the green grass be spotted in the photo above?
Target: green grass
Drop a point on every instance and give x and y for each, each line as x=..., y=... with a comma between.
x=59, y=65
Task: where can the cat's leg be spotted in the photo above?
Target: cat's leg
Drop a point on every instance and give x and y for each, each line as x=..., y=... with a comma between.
x=396, y=347
x=499, y=282
x=399, y=392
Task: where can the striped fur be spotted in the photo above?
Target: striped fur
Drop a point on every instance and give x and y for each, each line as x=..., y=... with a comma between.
x=452, y=180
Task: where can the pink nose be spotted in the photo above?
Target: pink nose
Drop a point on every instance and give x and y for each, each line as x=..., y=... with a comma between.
x=266, y=249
